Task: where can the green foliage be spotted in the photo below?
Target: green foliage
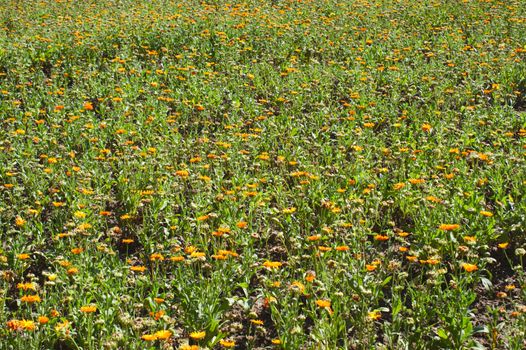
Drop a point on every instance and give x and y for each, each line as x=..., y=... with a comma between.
x=292, y=174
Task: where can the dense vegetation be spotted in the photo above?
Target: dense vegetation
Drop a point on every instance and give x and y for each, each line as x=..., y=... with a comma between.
x=292, y=174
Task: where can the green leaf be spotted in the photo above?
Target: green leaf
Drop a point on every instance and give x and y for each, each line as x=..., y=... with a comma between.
x=397, y=307
x=442, y=333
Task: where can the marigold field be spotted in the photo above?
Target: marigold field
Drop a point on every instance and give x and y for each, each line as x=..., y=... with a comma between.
x=285, y=174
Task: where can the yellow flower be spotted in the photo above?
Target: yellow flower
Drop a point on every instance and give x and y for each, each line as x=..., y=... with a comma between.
x=198, y=335
x=79, y=214
x=296, y=285
x=374, y=315
x=149, y=337
x=19, y=221
x=189, y=347
x=323, y=303
x=163, y=334
x=487, y=214
x=27, y=325
x=88, y=309
x=470, y=239
x=227, y=343
x=156, y=257
x=62, y=326
x=289, y=210
x=26, y=286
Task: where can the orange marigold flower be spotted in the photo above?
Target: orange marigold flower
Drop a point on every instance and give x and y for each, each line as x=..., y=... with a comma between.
x=13, y=325
x=182, y=173
x=469, y=267
x=398, y=186
x=434, y=199
x=310, y=276
x=43, y=319
x=26, y=325
x=138, y=268
x=323, y=303
x=314, y=238
x=416, y=181
x=88, y=309
x=448, y=227
x=31, y=299
x=54, y=313
x=272, y=264
x=242, y=224
x=88, y=106
x=156, y=257
x=381, y=238
x=370, y=268
x=23, y=256
x=411, y=258
x=19, y=221
x=426, y=127
x=203, y=217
